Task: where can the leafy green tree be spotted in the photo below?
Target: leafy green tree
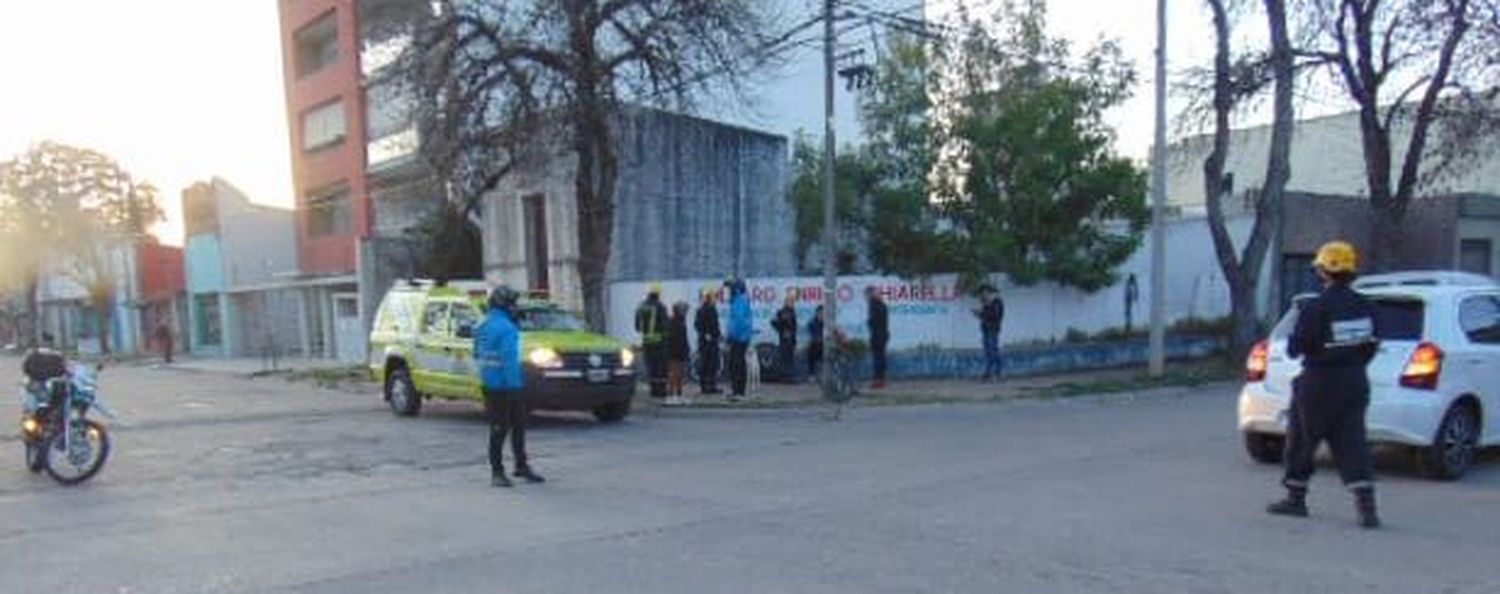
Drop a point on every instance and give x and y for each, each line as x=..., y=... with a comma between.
x=994, y=157
x=855, y=179
x=70, y=210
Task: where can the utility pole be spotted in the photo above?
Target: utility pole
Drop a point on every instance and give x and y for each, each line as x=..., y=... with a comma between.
x=830, y=229
x=1158, y=202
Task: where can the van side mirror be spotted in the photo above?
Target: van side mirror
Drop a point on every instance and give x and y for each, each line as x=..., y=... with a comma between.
x=466, y=331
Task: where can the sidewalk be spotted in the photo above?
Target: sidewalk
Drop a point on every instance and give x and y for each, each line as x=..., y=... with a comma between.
x=937, y=391
x=243, y=367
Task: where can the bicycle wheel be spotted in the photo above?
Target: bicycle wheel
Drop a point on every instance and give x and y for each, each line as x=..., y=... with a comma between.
x=845, y=387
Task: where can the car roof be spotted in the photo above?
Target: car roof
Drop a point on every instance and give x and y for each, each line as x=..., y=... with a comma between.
x=1424, y=281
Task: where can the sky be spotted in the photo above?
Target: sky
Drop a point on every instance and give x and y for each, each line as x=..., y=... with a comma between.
x=177, y=91
x=182, y=90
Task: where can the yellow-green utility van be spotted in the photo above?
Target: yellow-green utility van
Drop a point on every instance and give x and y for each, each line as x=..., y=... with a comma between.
x=422, y=347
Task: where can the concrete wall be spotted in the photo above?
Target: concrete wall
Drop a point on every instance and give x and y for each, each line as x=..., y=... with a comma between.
x=1431, y=226
x=695, y=199
x=933, y=313
x=1326, y=159
x=258, y=242
x=205, y=265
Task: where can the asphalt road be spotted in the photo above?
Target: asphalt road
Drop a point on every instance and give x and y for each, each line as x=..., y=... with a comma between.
x=231, y=485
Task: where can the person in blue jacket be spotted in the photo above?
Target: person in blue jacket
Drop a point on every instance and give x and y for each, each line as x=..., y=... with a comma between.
x=741, y=328
x=497, y=353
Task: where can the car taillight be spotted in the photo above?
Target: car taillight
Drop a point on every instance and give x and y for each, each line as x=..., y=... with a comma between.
x=1256, y=363
x=1423, y=368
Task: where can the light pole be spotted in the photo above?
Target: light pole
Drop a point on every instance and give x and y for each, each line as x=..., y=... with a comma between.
x=830, y=229
x=1158, y=202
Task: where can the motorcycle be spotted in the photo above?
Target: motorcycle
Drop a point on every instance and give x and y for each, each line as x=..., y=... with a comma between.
x=56, y=430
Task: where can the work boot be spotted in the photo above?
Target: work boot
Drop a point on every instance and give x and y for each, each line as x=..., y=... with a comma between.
x=498, y=479
x=1294, y=505
x=526, y=474
x=1364, y=501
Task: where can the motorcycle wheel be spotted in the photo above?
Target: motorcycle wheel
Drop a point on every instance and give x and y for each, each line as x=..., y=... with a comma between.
x=61, y=464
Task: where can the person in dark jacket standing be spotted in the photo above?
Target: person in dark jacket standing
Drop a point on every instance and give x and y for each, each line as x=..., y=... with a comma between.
x=1335, y=336
x=163, y=336
x=651, y=322
x=815, y=343
x=741, y=329
x=497, y=353
x=878, y=320
x=991, y=315
x=706, y=324
x=785, y=324
x=678, y=353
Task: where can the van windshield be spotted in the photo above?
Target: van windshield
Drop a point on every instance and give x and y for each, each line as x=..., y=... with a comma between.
x=548, y=319
x=1396, y=318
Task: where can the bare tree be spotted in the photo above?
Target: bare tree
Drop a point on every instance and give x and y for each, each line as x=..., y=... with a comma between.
x=512, y=73
x=1426, y=67
x=1232, y=84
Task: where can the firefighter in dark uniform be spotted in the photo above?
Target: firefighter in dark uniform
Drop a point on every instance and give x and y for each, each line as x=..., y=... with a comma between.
x=785, y=324
x=651, y=322
x=878, y=320
x=1335, y=336
x=706, y=324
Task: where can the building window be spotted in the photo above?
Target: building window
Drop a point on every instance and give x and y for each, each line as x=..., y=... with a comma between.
x=207, y=313
x=324, y=126
x=1474, y=256
x=534, y=215
x=1297, y=277
x=330, y=212
x=318, y=44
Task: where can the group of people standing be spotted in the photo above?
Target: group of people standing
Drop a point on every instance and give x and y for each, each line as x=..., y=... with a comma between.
x=668, y=350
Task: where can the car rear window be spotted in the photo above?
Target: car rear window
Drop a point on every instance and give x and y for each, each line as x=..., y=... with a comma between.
x=1396, y=318
x=1399, y=319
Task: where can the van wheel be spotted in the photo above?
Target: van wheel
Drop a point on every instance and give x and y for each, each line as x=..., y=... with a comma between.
x=1264, y=448
x=613, y=412
x=401, y=394
x=1455, y=447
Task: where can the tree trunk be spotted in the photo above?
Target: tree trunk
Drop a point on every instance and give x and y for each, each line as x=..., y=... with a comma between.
x=1242, y=270
x=33, y=330
x=595, y=184
x=1246, y=321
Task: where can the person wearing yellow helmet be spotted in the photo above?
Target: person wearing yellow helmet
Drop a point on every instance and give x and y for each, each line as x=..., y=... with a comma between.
x=1335, y=336
x=651, y=322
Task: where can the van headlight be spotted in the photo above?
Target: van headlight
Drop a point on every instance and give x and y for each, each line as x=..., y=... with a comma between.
x=627, y=358
x=545, y=358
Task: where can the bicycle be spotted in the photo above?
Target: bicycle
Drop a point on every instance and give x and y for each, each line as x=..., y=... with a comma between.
x=842, y=362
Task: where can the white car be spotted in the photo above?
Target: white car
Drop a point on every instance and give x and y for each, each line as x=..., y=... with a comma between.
x=1434, y=386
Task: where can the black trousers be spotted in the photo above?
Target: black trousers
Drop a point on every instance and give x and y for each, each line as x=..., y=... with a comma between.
x=656, y=368
x=788, y=351
x=737, y=369
x=708, y=366
x=814, y=357
x=506, y=410
x=1328, y=406
x=877, y=355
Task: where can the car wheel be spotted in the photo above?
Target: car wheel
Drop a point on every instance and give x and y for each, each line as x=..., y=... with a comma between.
x=1456, y=446
x=613, y=412
x=401, y=394
x=1264, y=448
